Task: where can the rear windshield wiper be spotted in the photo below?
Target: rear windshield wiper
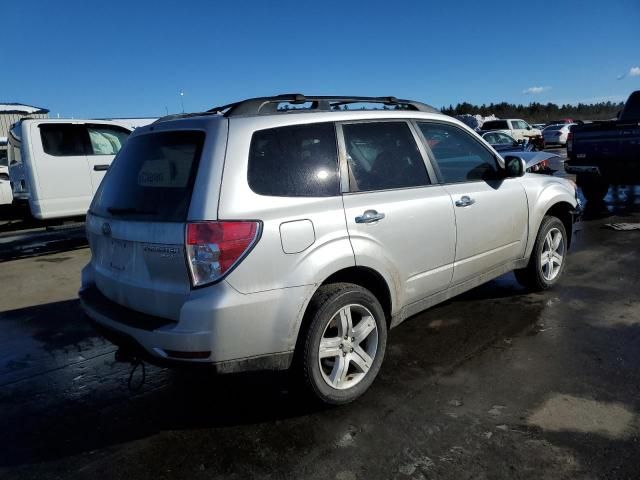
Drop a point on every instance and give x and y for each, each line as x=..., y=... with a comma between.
x=129, y=211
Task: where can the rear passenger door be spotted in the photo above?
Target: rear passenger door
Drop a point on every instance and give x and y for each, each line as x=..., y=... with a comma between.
x=491, y=211
x=104, y=142
x=399, y=222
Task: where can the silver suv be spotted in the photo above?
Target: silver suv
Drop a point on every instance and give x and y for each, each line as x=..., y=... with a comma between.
x=294, y=231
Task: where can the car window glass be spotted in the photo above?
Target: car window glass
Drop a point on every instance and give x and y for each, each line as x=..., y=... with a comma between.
x=495, y=125
x=152, y=178
x=106, y=140
x=460, y=158
x=295, y=161
x=504, y=139
x=383, y=155
x=62, y=140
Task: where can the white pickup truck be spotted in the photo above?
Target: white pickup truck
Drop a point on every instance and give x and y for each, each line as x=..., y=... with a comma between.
x=57, y=165
x=518, y=129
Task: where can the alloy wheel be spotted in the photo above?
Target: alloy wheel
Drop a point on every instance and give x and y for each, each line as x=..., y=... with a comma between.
x=348, y=346
x=552, y=256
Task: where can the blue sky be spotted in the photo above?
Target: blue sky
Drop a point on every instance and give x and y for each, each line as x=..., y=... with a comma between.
x=132, y=58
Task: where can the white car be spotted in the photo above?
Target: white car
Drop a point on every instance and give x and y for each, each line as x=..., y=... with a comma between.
x=518, y=129
x=557, y=134
x=57, y=165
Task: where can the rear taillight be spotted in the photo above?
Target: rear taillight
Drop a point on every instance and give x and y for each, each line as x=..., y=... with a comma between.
x=569, y=141
x=213, y=248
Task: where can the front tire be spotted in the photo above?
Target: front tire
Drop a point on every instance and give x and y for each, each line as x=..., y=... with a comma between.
x=344, y=344
x=548, y=258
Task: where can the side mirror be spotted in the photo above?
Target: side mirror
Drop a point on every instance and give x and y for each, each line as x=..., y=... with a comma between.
x=514, y=166
x=519, y=141
x=528, y=127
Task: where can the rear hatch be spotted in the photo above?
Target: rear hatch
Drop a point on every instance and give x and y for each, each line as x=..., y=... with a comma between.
x=136, y=223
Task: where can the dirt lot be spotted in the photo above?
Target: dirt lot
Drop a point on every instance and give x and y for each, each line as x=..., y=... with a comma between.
x=497, y=383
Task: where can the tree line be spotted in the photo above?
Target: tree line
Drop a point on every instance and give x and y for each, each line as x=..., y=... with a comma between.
x=538, y=112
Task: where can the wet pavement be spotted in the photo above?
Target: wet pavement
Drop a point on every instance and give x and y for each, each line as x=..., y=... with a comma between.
x=497, y=383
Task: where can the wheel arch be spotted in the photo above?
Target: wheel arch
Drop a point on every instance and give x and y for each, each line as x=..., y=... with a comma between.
x=365, y=277
x=562, y=210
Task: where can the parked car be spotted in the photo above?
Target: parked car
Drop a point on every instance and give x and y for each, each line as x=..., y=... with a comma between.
x=562, y=121
x=518, y=129
x=251, y=237
x=502, y=142
x=57, y=165
x=540, y=162
x=606, y=152
x=537, y=162
x=557, y=134
x=539, y=126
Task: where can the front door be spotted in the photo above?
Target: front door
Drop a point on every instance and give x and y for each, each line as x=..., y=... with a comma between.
x=399, y=221
x=491, y=211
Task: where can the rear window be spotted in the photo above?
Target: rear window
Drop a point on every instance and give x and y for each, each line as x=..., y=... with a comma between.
x=295, y=161
x=495, y=125
x=152, y=177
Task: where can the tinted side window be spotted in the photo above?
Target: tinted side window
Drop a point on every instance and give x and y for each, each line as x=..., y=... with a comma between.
x=383, y=155
x=295, y=161
x=495, y=125
x=460, y=158
x=106, y=140
x=63, y=140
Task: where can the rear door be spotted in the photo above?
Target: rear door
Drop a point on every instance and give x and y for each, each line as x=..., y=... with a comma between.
x=399, y=221
x=105, y=141
x=517, y=131
x=59, y=169
x=491, y=212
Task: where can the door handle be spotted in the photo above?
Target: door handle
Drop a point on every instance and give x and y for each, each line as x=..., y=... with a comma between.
x=465, y=201
x=369, y=216
x=100, y=168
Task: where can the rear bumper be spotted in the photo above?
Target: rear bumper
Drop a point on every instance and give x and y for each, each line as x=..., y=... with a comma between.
x=218, y=327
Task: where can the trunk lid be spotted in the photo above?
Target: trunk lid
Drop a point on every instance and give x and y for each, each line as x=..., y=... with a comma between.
x=137, y=220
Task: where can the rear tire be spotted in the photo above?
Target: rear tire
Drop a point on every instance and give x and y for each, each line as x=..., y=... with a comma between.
x=593, y=188
x=548, y=258
x=344, y=344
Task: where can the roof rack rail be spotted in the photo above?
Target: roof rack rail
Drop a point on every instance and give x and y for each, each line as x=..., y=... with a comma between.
x=267, y=105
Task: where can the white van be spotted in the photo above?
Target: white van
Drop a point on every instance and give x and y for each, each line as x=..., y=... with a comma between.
x=57, y=165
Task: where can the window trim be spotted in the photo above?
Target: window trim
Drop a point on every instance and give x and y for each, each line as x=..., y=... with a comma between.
x=432, y=157
x=345, y=183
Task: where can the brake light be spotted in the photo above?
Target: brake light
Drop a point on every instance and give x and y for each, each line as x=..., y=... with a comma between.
x=569, y=141
x=213, y=248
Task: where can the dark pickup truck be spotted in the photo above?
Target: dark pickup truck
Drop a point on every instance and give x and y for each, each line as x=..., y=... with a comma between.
x=604, y=153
